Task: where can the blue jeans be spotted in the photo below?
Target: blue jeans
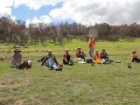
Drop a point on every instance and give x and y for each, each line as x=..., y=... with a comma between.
x=51, y=64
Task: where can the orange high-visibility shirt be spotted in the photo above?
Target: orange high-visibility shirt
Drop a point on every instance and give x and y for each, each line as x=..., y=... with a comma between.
x=91, y=43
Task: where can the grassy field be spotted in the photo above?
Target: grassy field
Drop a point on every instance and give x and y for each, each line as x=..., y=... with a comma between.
x=81, y=84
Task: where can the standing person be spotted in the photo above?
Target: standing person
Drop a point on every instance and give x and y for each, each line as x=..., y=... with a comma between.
x=67, y=58
x=51, y=62
x=16, y=58
x=134, y=57
x=91, y=45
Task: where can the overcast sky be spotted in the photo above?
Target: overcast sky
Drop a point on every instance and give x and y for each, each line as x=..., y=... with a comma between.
x=87, y=12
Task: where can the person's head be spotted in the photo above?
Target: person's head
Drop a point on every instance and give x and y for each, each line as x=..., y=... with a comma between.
x=66, y=51
x=91, y=37
x=103, y=50
x=96, y=52
x=79, y=48
x=133, y=52
x=17, y=51
x=49, y=52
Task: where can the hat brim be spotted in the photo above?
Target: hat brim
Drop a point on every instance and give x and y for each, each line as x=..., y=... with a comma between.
x=17, y=50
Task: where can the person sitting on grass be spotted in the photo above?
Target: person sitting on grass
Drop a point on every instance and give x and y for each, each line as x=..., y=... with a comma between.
x=51, y=62
x=134, y=57
x=80, y=54
x=67, y=58
x=96, y=57
x=104, y=57
x=16, y=58
x=17, y=61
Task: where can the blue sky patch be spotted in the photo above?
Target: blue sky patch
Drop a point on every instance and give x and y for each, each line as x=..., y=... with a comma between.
x=23, y=12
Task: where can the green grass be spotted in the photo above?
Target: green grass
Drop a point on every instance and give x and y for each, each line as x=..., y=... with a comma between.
x=81, y=84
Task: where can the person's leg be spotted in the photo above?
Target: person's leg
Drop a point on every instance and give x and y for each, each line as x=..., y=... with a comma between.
x=65, y=62
x=56, y=67
x=103, y=61
x=49, y=64
x=19, y=65
x=91, y=52
x=68, y=59
x=137, y=60
x=13, y=64
x=83, y=58
x=71, y=62
x=133, y=60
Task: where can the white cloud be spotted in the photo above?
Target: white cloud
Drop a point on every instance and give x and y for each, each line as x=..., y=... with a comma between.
x=82, y=11
x=36, y=4
x=5, y=7
x=43, y=19
x=97, y=11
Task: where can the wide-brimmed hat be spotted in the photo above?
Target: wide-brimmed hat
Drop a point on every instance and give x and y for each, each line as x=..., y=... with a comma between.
x=17, y=50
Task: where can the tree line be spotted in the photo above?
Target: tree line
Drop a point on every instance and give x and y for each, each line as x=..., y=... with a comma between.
x=18, y=33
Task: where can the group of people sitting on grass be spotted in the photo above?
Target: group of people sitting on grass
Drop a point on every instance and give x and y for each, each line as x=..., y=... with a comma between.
x=50, y=60
x=97, y=57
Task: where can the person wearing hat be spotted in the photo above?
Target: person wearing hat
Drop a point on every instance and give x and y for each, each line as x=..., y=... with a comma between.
x=51, y=62
x=134, y=57
x=80, y=54
x=16, y=58
x=91, y=45
x=67, y=58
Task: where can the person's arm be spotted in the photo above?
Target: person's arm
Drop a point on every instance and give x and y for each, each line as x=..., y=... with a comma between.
x=132, y=57
x=101, y=55
x=83, y=53
x=55, y=60
x=20, y=58
x=44, y=60
x=77, y=54
x=64, y=56
x=106, y=55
